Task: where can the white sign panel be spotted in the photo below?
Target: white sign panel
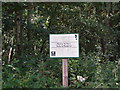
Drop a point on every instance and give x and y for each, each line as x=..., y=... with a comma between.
x=64, y=45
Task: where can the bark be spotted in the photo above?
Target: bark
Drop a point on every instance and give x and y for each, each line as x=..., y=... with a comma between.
x=107, y=22
x=103, y=46
x=18, y=35
x=42, y=47
x=118, y=40
x=10, y=55
x=29, y=35
x=29, y=23
x=108, y=11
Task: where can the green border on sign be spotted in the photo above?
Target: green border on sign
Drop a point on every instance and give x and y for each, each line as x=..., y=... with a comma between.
x=64, y=57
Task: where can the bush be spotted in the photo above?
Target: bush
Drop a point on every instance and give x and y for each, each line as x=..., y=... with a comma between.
x=98, y=75
x=35, y=76
x=34, y=73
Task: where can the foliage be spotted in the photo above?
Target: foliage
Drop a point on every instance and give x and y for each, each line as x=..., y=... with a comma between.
x=98, y=75
x=30, y=77
x=48, y=74
x=25, y=55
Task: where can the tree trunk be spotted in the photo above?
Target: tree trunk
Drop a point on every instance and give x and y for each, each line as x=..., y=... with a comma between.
x=103, y=46
x=118, y=40
x=108, y=11
x=29, y=35
x=42, y=47
x=107, y=22
x=29, y=23
x=10, y=55
x=18, y=35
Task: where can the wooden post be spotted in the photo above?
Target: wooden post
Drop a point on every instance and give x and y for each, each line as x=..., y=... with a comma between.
x=65, y=72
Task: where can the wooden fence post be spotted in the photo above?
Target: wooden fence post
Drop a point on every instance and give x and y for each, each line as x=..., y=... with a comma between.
x=65, y=72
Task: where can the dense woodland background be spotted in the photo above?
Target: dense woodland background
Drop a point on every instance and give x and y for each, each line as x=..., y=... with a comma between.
x=26, y=29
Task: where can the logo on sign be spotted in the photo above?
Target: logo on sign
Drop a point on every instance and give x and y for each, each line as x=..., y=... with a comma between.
x=53, y=53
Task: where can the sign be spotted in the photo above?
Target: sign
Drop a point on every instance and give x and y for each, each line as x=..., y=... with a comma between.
x=64, y=45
